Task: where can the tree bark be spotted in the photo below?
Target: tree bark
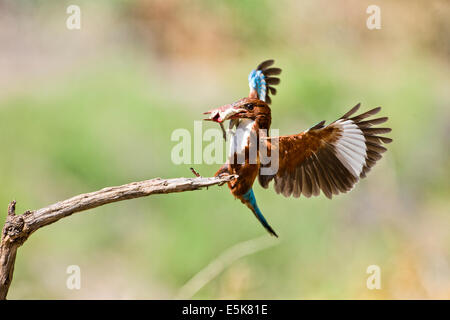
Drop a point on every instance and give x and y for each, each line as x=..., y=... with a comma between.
x=18, y=228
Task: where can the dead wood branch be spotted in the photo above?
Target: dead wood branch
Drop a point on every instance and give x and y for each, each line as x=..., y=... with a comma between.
x=18, y=228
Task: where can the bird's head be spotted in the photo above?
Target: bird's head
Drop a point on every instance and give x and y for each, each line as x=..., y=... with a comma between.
x=245, y=108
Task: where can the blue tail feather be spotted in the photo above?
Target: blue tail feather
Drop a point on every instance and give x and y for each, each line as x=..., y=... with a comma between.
x=250, y=197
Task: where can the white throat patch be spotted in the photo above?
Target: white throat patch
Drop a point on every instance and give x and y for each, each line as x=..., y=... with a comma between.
x=239, y=138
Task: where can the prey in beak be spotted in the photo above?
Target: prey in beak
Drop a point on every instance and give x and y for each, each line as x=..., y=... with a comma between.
x=230, y=112
x=226, y=112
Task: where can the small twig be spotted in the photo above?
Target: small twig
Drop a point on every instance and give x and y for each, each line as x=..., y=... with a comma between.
x=18, y=228
x=195, y=173
x=12, y=208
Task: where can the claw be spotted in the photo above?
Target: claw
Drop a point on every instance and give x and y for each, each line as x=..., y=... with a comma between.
x=222, y=175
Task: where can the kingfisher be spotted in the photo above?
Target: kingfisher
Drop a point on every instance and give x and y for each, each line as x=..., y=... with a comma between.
x=324, y=158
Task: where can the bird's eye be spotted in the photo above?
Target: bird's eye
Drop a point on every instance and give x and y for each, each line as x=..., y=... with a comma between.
x=249, y=106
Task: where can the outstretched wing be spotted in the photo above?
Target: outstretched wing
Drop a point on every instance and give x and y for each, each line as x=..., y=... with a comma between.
x=261, y=81
x=330, y=158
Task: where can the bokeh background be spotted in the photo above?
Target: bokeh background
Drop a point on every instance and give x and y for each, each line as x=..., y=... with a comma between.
x=89, y=108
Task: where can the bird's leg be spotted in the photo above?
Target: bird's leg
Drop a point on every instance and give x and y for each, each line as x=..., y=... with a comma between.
x=226, y=174
x=223, y=175
x=222, y=172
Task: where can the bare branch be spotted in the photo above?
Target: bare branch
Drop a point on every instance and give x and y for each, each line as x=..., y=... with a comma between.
x=18, y=228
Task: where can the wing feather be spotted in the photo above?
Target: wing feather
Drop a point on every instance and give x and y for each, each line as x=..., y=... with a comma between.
x=329, y=158
x=265, y=64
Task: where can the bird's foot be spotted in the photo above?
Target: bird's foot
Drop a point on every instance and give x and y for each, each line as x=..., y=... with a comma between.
x=223, y=175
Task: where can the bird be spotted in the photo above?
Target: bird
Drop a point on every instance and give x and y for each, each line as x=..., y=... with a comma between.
x=328, y=159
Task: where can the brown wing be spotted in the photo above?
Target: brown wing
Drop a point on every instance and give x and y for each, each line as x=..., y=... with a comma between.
x=329, y=158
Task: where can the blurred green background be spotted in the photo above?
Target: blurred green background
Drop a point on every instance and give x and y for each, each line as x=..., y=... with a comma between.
x=89, y=108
